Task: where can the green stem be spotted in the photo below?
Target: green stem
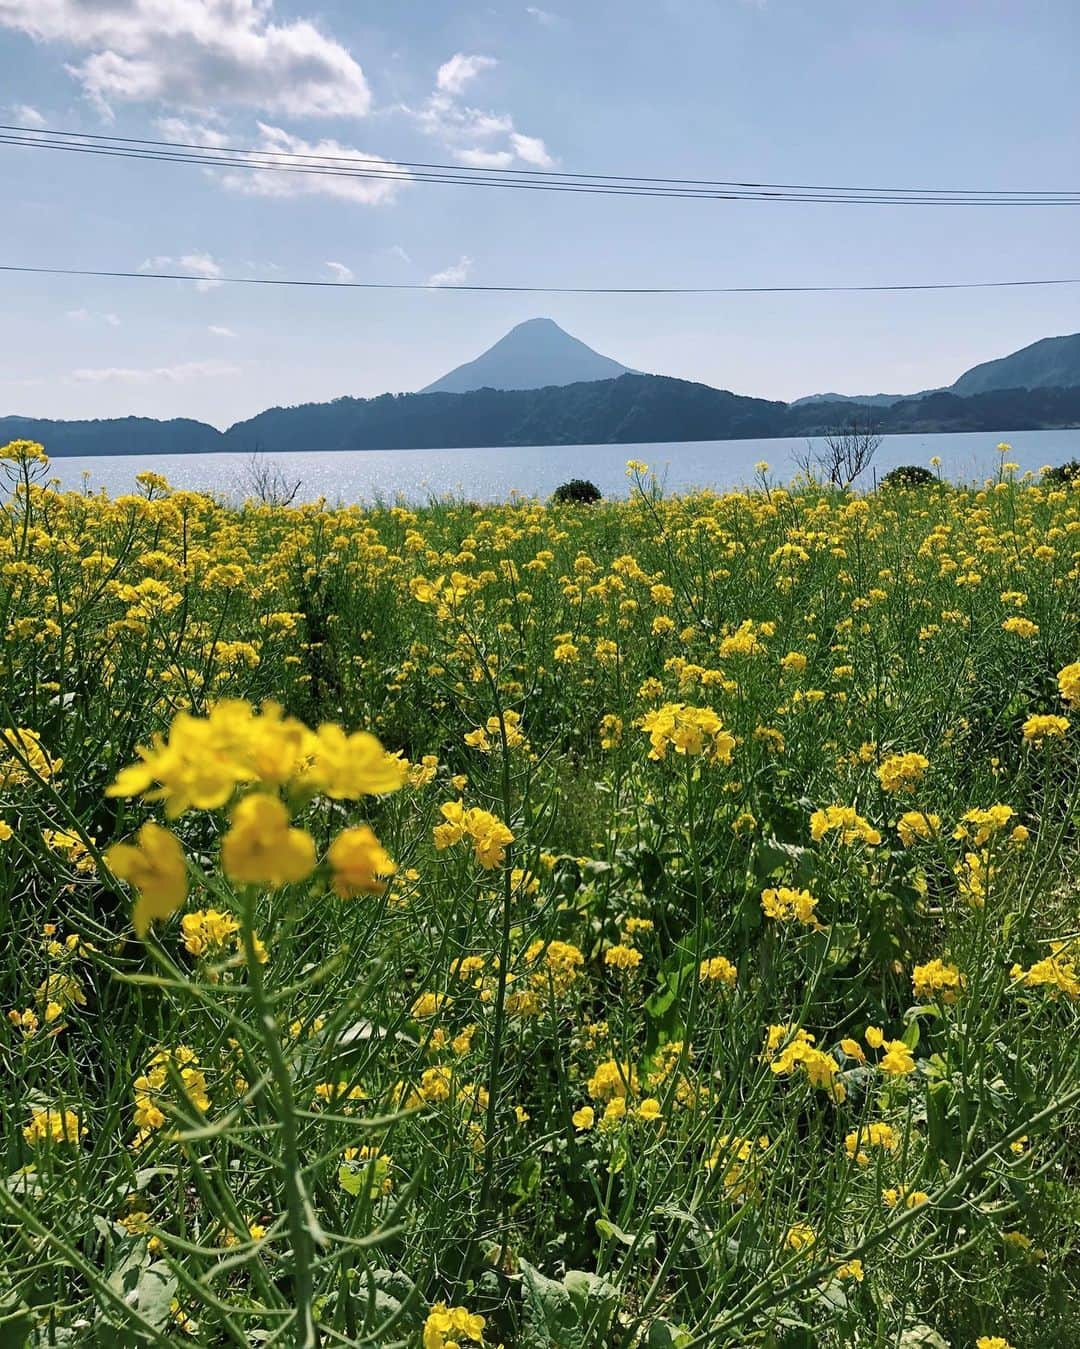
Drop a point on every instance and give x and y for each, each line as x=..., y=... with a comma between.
x=302, y=1223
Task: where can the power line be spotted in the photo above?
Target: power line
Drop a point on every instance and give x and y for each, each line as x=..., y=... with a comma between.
x=528, y=172
x=533, y=290
x=372, y=168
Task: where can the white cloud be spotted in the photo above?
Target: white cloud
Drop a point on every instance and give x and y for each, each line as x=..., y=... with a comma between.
x=23, y=113
x=531, y=150
x=85, y=316
x=196, y=264
x=173, y=374
x=398, y=252
x=191, y=53
x=443, y=117
x=191, y=133
x=460, y=70
x=543, y=16
x=475, y=158
x=470, y=134
x=219, y=331
x=272, y=183
x=340, y=271
x=454, y=275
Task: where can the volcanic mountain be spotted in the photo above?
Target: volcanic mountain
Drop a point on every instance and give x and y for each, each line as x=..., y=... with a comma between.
x=535, y=355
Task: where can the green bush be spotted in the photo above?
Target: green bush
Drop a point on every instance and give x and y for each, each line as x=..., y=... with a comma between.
x=578, y=490
x=909, y=475
x=1063, y=474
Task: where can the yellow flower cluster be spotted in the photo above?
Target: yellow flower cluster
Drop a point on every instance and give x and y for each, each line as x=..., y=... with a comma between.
x=717, y=970
x=489, y=737
x=54, y=1126
x=560, y=965
x=917, y=824
x=844, y=821
x=790, y=1048
x=980, y=825
x=24, y=452
x=489, y=835
x=204, y=761
x=1069, y=683
x=687, y=730
x=623, y=958
x=877, y=1134
x=1038, y=729
x=23, y=757
x=902, y=772
x=207, y=932
x=1059, y=971
x=150, y=1093
x=447, y=1327
x=786, y=905
x=937, y=981
x=611, y=1079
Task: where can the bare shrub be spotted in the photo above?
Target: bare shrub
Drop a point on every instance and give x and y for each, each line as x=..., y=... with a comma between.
x=267, y=481
x=848, y=451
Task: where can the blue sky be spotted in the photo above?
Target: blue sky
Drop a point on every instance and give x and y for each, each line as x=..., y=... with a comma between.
x=926, y=93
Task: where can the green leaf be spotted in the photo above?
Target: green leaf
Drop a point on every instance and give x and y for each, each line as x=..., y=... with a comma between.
x=549, y=1317
x=664, y=1335
x=610, y=1232
x=656, y=1004
x=352, y=1179
x=922, y=1337
x=526, y=1181
x=154, y=1293
x=596, y=1299
x=566, y=1315
x=16, y=1324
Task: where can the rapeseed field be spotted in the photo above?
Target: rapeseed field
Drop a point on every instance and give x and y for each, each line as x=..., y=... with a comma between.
x=647, y=924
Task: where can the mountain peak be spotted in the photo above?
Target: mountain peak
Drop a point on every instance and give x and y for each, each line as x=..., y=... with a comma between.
x=535, y=354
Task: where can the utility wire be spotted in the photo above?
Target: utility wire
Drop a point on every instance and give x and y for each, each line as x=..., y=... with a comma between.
x=372, y=168
x=525, y=172
x=529, y=172
x=532, y=290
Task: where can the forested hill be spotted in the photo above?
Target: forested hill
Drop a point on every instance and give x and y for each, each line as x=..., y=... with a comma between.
x=113, y=435
x=632, y=409
x=628, y=410
x=608, y=411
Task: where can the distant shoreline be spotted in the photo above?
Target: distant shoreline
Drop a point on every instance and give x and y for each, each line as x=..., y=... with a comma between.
x=532, y=445
x=630, y=410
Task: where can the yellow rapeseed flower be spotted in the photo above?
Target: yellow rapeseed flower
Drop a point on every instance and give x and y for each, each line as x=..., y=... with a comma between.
x=155, y=866
x=261, y=848
x=54, y=1126
x=359, y=862
x=446, y=1327
x=1039, y=729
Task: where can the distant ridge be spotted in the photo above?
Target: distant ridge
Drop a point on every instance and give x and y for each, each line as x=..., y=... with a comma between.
x=113, y=435
x=872, y=400
x=533, y=355
x=1050, y=363
x=629, y=408
x=632, y=409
